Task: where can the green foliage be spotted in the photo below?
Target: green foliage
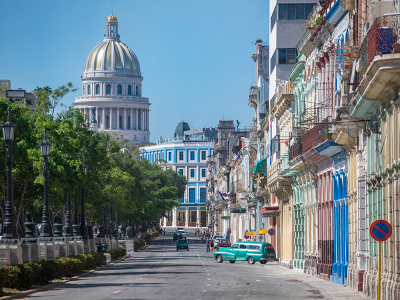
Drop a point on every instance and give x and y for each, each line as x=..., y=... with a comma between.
x=117, y=253
x=23, y=276
x=139, y=244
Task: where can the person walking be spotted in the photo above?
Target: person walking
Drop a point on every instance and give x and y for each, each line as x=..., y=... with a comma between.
x=208, y=245
x=212, y=245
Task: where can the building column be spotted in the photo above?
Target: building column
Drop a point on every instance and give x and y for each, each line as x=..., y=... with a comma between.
x=110, y=117
x=117, y=118
x=124, y=126
x=142, y=113
x=165, y=221
x=132, y=127
x=198, y=216
x=174, y=217
x=103, y=119
x=147, y=119
x=137, y=119
x=187, y=217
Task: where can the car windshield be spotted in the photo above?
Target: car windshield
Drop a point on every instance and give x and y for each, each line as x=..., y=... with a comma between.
x=269, y=249
x=223, y=241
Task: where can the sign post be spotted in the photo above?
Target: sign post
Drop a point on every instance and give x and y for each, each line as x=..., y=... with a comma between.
x=380, y=230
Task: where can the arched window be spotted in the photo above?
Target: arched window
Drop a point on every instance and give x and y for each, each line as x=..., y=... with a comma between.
x=108, y=89
x=97, y=89
x=137, y=91
x=88, y=89
x=129, y=90
x=119, y=89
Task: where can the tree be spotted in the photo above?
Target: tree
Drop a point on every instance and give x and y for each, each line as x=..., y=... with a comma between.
x=48, y=99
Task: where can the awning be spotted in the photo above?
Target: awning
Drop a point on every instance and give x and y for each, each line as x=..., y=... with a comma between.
x=261, y=166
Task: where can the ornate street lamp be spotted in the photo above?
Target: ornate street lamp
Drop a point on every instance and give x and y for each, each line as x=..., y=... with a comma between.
x=45, y=230
x=10, y=230
x=84, y=232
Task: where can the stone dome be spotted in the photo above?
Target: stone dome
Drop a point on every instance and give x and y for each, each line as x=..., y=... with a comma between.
x=111, y=57
x=181, y=128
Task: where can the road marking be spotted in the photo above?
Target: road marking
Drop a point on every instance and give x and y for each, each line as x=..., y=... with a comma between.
x=258, y=280
x=204, y=291
x=209, y=278
x=140, y=278
x=209, y=284
x=208, y=274
x=116, y=292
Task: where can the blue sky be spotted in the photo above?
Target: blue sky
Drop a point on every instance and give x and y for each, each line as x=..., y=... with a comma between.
x=195, y=56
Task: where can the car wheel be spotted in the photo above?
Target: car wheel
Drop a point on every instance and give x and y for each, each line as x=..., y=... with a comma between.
x=251, y=260
x=219, y=259
x=188, y=249
x=232, y=261
x=263, y=262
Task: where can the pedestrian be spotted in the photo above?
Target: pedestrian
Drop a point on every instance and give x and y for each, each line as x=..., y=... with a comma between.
x=164, y=231
x=208, y=245
x=201, y=238
x=212, y=245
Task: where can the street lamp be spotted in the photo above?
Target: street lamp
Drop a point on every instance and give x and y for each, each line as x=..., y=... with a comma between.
x=83, y=227
x=45, y=230
x=10, y=230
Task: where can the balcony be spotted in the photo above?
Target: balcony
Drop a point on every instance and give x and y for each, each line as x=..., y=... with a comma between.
x=278, y=184
x=296, y=149
x=284, y=99
x=315, y=136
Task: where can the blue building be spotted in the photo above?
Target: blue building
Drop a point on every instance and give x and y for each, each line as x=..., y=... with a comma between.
x=186, y=153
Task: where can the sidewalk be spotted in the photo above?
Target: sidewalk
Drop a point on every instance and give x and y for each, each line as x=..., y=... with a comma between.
x=328, y=290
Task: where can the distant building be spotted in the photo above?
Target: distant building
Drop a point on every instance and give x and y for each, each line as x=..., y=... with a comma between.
x=29, y=100
x=187, y=154
x=112, y=89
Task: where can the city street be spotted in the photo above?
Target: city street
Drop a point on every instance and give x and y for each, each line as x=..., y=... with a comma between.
x=160, y=272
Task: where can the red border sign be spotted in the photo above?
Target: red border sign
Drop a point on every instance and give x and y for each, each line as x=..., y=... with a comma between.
x=380, y=230
x=271, y=232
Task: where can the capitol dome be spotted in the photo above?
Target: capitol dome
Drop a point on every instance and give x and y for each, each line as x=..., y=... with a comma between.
x=112, y=99
x=111, y=57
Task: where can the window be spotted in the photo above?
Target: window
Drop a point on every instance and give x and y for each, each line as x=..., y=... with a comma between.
x=120, y=122
x=119, y=89
x=191, y=155
x=242, y=246
x=181, y=155
x=203, y=195
x=129, y=90
x=129, y=123
x=275, y=145
x=192, y=195
x=203, y=173
x=285, y=56
x=235, y=246
x=169, y=156
x=191, y=173
x=97, y=89
x=107, y=122
x=108, y=89
x=180, y=171
x=137, y=91
x=254, y=247
x=203, y=155
x=291, y=12
x=88, y=89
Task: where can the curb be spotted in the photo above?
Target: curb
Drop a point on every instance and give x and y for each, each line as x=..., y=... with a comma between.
x=52, y=285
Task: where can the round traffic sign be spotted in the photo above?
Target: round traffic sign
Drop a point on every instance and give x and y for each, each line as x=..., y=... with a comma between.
x=229, y=231
x=271, y=231
x=245, y=235
x=380, y=230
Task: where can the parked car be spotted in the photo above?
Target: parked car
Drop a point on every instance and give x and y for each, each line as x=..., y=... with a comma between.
x=182, y=244
x=178, y=235
x=181, y=230
x=222, y=243
x=250, y=251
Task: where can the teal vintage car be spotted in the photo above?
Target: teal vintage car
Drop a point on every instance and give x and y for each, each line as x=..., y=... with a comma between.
x=250, y=251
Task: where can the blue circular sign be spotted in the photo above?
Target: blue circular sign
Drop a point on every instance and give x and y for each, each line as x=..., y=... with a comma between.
x=271, y=231
x=380, y=230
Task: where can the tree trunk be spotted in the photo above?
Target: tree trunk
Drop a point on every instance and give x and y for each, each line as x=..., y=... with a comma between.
x=21, y=230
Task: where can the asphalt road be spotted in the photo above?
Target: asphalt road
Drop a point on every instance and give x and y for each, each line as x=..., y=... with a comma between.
x=160, y=272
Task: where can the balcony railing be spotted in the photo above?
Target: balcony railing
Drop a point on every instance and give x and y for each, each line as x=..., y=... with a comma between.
x=296, y=149
x=381, y=39
x=315, y=136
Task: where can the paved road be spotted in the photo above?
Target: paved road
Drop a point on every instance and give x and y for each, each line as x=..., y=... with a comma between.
x=160, y=272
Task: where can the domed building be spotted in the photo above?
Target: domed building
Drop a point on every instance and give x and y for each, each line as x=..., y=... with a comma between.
x=112, y=89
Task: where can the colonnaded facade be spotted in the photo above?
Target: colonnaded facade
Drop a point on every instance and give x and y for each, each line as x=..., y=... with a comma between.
x=112, y=89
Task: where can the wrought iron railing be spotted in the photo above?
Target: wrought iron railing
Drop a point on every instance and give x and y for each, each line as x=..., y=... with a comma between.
x=315, y=136
x=381, y=39
x=296, y=149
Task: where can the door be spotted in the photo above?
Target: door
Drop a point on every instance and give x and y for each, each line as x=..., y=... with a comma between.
x=203, y=218
x=242, y=251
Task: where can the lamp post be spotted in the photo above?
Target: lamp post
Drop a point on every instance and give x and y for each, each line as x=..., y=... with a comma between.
x=9, y=227
x=83, y=227
x=45, y=230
